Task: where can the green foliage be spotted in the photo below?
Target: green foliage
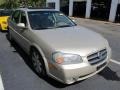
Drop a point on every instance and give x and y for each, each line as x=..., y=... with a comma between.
x=37, y=3
x=1, y=2
x=8, y=4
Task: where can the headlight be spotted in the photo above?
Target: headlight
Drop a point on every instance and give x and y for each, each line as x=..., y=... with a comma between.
x=65, y=58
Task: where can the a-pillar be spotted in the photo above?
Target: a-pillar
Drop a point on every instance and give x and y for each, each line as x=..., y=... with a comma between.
x=113, y=10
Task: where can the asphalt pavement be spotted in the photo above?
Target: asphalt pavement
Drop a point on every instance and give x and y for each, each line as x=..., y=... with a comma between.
x=17, y=73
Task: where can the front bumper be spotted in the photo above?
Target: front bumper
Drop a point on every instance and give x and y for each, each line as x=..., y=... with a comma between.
x=72, y=75
x=69, y=74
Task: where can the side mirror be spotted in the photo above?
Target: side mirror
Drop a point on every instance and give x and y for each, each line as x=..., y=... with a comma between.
x=21, y=25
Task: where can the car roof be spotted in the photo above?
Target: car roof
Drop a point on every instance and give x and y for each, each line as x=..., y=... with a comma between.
x=36, y=9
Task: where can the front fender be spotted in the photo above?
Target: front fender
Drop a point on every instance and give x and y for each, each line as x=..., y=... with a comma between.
x=42, y=54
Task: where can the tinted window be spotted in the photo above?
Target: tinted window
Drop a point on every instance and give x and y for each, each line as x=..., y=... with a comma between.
x=16, y=16
x=23, y=18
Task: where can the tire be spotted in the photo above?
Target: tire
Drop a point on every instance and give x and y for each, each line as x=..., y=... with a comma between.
x=38, y=63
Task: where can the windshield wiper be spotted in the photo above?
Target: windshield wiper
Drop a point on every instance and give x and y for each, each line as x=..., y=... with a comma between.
x=63, y=26
x=43, y=28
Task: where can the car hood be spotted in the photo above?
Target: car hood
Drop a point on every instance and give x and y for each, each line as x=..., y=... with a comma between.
x=72, y=40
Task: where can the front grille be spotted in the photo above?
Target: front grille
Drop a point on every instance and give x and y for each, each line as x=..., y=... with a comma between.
x=97, y=57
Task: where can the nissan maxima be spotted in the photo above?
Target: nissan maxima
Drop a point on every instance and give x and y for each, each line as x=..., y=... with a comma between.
x=57, y=46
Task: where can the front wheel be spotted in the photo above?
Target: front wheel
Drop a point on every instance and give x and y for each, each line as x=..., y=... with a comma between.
x=38, y=63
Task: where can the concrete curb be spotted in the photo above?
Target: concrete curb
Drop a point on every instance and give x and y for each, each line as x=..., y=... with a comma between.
x=91, y=20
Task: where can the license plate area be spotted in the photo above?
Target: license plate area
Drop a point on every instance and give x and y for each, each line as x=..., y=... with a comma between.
x=102, y=65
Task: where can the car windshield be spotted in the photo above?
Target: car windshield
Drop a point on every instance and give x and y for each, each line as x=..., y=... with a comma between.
x=48, y=19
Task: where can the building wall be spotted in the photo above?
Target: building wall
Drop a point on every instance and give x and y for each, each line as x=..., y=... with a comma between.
x=57, y=3
x=113, y=8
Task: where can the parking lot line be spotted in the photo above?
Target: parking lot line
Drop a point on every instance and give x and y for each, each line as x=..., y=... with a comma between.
x=115, y=61
x=1, y=84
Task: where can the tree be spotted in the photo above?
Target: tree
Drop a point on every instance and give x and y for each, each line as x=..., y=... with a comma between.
x=38, y=3
x=9, y=4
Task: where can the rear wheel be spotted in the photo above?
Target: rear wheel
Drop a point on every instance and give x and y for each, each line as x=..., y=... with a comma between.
x=38, y=62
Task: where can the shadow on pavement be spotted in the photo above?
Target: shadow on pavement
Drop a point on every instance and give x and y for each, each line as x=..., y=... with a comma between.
x=109, y=74
x=3, y=31
x=27, y=60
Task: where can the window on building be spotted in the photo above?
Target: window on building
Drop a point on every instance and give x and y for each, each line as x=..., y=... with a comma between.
x=51, y=5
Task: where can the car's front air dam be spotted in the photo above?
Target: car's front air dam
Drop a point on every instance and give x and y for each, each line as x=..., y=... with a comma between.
x=76, y=72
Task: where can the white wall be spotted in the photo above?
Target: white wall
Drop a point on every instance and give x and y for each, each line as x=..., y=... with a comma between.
x=88, y=7
x=57, y=6
x=71, y=6
x=113, y=10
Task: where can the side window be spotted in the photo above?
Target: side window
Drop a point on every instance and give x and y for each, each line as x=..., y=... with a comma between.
x=23, y=18
x=16, y=16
